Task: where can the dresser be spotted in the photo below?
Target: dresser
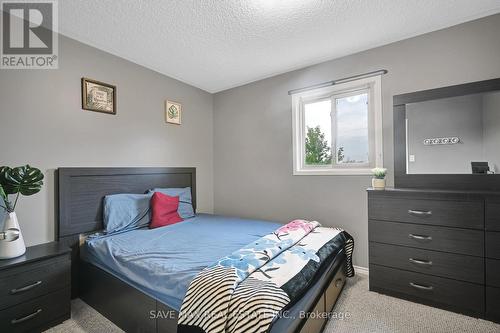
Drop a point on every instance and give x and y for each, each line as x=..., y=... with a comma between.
x=35, y=289
x=437, y=247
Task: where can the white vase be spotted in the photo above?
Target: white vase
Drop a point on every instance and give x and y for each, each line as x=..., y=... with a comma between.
x=378, y=184
x=15, y=248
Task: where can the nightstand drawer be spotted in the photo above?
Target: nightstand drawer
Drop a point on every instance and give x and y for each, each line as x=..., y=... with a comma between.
x=449, y=265
x=463, y=214
x=37, y=314
x=428, y=289
x=453, y=240
x=22, y=283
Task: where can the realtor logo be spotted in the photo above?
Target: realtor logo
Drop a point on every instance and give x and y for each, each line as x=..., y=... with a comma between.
x=29, y=35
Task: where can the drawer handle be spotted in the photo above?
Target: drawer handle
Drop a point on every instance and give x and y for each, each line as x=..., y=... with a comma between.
x=420, y=262
x=28, y=317
x=419, y=213
x=338, y=283
x=421, y=287
x=26, y=288
x=420, y=237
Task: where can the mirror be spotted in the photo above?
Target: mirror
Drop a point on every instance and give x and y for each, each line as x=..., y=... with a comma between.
x=455, y=135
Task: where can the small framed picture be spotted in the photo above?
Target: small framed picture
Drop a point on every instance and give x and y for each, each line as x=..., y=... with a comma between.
x=173, y=112
x=98, y=96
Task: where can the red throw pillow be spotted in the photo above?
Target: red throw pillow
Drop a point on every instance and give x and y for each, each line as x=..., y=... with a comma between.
x=164, y=210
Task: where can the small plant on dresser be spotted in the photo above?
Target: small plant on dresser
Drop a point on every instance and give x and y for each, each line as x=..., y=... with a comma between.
x=378, y=180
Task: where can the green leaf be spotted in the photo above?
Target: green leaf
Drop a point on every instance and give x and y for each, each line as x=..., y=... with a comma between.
x=379, y=173
x=173, y=112
x=2, y=193
x=24, y=179
x=3, y=174
x=3, y=196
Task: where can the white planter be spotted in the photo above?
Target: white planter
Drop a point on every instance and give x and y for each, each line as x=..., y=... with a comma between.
x=16, y=248
x=378, y=184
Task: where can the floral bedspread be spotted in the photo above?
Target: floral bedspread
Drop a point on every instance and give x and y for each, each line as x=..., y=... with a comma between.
x=245, y=291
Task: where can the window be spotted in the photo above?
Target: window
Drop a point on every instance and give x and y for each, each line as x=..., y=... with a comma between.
x=337, y=130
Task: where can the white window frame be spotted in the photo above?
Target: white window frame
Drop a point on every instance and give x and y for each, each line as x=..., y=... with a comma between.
x=372, y=86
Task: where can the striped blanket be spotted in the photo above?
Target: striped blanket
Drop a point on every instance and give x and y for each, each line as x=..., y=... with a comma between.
x=246, y=290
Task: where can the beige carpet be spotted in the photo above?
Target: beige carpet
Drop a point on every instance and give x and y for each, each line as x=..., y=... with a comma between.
x=362, y=311
x=375, y=313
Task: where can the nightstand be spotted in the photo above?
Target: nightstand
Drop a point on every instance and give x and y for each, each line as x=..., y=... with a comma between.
x=35, y=289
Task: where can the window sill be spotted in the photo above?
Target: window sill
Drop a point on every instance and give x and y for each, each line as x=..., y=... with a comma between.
x=333, y=172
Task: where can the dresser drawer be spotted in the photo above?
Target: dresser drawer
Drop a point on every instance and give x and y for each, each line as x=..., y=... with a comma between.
x=36, y=314
x=19, y=284
x=493, y=303
x=493, y=272
x=452, y=294
x=493, y=213
x=464, y=214
x=461, y=241
x=454, y=266
x=493, y=244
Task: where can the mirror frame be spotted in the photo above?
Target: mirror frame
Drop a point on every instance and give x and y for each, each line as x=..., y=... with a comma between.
x=479, y=182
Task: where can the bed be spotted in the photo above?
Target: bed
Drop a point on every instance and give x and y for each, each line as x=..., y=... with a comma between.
x=138, y=278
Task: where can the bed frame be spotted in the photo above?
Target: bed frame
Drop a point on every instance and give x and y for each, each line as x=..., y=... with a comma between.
x=79, y=206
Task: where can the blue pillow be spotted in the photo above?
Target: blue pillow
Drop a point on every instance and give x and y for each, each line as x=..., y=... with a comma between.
x=185, y=209
x=126, y=212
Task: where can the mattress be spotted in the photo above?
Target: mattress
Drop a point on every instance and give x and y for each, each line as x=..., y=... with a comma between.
x=162, y=262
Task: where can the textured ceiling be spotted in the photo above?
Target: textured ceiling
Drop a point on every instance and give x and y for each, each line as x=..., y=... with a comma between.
x=220, y=44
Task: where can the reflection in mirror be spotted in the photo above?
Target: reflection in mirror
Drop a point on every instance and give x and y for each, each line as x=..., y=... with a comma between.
x=457, y=135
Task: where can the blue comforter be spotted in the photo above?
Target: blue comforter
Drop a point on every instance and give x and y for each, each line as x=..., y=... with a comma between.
x=162, y=262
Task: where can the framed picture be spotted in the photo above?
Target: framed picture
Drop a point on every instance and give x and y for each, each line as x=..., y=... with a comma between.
x=98, y=96
x=173, y=112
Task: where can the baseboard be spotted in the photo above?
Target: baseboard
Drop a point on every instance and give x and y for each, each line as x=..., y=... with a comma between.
x=361, y=270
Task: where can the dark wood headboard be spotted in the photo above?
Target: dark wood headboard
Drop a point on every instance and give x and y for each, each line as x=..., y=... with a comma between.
x=80, y=193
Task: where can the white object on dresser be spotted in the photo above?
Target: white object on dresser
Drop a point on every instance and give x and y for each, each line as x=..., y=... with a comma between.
x=11, y=242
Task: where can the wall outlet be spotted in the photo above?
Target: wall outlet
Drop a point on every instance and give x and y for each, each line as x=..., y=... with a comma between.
x=412, y=158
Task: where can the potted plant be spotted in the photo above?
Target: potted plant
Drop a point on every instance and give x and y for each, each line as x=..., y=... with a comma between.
x=378, y=180
x=23, y=180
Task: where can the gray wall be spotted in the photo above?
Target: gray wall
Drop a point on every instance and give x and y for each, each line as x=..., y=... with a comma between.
x=42, y=123
x=458, y=116
x=253, y=134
